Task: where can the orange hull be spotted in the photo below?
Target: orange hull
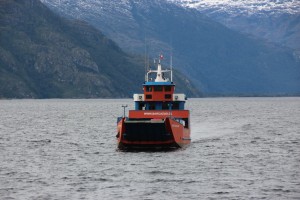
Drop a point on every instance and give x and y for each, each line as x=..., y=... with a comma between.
x=164, y=133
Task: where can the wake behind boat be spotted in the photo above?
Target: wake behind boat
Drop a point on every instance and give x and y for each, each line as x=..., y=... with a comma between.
x=159, y=120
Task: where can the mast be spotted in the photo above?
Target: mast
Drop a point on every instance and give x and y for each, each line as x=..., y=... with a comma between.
x=171, y=65
x=146, y=60
x=160, y=73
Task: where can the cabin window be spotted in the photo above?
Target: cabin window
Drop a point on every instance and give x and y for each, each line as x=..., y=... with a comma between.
x=168, y=96
x=175, y=106
x=168, y=88
x=165, y=106
x=148, y=96
x=142, y=106
x=158, y=88
x=148, y=88
x=151, y=106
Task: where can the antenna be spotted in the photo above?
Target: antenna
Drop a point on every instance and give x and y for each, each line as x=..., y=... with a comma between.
x=171, y=57
x=124, y=107
x=147, y=50
x=171, y=64
x=145, y=59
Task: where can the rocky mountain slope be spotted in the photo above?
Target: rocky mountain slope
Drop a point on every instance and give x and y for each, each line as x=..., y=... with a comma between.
x=218, y=60
x=275, y=21
x=45, y=56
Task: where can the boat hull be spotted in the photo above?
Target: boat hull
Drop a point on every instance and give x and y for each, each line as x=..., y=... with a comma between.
x=152, y=134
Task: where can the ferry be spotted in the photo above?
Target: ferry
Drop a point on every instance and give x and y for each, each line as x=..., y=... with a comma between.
x=159, y=119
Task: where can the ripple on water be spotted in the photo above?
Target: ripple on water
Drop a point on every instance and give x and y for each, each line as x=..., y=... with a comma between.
x=242, y=148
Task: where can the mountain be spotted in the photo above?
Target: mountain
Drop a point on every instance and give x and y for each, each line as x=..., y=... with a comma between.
x=275, y=21
x=43, y=55
x=218, y=60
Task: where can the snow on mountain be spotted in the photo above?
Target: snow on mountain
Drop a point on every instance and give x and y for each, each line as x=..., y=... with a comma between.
x=242, y=7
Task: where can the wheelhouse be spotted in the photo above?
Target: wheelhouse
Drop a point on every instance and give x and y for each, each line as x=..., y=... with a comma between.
x=159, y=96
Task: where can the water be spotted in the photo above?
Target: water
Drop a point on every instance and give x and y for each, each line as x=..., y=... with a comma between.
x=242, y=148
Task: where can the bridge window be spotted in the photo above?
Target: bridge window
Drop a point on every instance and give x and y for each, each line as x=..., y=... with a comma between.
x=148, y=88
x=168, y=88
x=158, y=88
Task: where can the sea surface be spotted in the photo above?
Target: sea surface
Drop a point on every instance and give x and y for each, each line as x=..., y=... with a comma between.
x=242, y=148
